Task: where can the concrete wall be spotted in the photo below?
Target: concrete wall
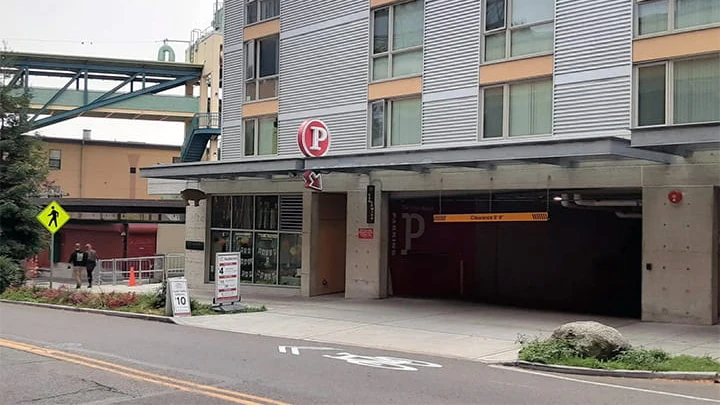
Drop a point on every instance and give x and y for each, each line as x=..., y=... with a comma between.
x=170, y=239
x=680, y=255
x=102, y=170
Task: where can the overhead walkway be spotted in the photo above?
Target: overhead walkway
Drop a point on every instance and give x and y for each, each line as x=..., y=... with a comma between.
x=134, y=97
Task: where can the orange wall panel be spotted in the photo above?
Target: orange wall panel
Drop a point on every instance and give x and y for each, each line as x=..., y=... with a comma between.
x=516, y=70
x=677, y=45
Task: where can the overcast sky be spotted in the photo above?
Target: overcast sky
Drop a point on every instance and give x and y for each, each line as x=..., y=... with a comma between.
x=129, y=29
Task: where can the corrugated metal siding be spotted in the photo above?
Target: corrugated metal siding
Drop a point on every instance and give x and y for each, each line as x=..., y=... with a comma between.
x=296, y=14
x=451, y=62
x=592, y=34
x=233, y=82
x=594, y=106
x=326, y=68
x=593, y=59
x=291, y=213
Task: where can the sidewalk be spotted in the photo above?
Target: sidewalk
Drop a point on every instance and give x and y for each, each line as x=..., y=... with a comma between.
x=432, y=327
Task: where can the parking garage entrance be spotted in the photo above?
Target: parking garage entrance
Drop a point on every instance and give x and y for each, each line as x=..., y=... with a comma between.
x=583, y=259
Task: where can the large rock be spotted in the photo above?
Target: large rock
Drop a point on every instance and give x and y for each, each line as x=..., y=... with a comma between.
x=592, y=339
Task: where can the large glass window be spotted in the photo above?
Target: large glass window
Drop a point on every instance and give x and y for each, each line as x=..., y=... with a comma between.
x=397, y=40
x=267, y=237
x=261, y=68
x=530, y=30
x=261, y=10
x=657, y=16
x=517, y=109
x=261, y=136
x=679, y=92
x=395, y=122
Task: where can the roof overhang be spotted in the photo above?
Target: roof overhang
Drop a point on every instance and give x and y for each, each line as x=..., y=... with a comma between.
x=117, y=205
x=554, y=152
x=678, y=140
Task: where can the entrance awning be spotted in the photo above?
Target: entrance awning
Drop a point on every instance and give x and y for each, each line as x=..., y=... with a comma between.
x=554, y=152
x=678, y=140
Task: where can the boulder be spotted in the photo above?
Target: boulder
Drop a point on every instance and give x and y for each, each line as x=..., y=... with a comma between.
x=592, y=339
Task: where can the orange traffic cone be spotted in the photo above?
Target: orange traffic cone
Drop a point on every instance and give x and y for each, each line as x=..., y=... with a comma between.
x=131, y=281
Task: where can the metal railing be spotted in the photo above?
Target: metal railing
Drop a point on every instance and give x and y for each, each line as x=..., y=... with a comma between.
x=149, y=269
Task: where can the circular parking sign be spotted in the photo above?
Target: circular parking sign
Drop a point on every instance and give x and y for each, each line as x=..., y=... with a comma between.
x=313, y=138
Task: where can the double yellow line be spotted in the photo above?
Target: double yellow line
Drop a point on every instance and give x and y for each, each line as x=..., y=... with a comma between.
x=129, y=372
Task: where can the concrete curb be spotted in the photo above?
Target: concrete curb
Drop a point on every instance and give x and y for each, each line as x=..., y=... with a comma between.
x=666, y=375
x=133, y=315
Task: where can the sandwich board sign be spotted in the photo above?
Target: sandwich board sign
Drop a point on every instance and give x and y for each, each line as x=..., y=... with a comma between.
x=226, y=278
x=178, y=295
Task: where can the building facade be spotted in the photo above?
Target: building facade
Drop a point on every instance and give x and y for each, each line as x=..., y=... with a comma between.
x=547, y=154
x=99, y=184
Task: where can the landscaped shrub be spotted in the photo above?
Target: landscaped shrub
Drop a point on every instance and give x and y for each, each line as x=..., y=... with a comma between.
x=11, y=273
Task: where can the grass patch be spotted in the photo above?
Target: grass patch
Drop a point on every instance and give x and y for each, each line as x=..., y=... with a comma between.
x=561, y=352
x=149, y=303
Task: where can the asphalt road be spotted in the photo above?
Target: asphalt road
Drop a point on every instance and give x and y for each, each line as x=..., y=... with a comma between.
x=58, y=357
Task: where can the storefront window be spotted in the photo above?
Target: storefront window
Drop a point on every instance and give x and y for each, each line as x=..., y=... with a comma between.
x=221, y=210
x=266, y=232
x=266, y=253
x=219, y=243
x=266, y=213
x=243, y=243
x=290, y=259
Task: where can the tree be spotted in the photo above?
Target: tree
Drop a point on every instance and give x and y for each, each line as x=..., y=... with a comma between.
x=23, y=169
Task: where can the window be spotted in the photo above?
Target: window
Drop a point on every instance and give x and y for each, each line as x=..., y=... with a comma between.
x=657, y=16
x=177, y=159
x=529, y=31
x=261, y=136
x=261, y=68
x=395, y=122
x=397, y=42
x=55, y=161
x=265, y=230
x=261, y=10
x=517, y=109
x=679, y=92
x=133, y=170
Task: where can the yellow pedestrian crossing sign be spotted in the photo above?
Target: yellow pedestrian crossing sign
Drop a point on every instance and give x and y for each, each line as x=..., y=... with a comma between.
x=53, y=217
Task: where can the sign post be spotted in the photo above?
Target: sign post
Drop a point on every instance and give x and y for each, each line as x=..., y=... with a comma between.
x=226, y=280
x=53, y=217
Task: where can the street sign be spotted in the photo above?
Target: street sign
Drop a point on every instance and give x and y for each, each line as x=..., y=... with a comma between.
x=226, y=281
x=313, y=180
x=53, y=217
x=178, y=294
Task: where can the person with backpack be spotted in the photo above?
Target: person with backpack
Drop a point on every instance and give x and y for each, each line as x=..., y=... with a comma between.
x=78, y=260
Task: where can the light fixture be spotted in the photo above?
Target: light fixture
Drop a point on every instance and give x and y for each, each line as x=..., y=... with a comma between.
x=557, y=198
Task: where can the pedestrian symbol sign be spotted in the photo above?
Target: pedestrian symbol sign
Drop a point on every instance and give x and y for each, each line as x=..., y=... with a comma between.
x=53, y=217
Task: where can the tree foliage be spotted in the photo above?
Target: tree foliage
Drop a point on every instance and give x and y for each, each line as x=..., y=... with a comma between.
x=23, y=169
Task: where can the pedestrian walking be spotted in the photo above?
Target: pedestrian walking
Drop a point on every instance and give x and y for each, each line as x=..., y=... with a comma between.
x=77, y=262
x=91, y=259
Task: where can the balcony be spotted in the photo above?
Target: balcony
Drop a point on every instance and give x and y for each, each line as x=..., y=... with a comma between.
x=202, y=128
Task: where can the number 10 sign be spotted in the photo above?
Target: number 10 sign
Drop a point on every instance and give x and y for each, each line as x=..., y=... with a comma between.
x=178, y=295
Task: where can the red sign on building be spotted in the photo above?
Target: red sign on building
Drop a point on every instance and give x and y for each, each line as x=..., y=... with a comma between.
x=313, y=138
x=366, y=233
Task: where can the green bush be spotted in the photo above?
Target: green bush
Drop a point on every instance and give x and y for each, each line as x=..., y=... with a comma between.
x=11, y=273
x=561, y=352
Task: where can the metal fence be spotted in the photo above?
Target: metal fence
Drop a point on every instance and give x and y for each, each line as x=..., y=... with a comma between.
x=150, y=269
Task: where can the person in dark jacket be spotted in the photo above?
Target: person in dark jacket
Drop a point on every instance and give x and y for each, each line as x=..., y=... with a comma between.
x=91, y=259
x=78, y=260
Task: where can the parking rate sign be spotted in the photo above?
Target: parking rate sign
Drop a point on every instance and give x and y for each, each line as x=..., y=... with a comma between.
x=226, y=277
x=179, y=296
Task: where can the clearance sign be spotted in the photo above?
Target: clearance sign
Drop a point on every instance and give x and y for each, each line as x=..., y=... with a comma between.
x=497, y=217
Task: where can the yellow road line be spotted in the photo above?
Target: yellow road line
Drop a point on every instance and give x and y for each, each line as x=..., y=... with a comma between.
x=183, y=385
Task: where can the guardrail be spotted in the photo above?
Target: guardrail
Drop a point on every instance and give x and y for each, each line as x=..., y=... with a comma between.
x=149, y=269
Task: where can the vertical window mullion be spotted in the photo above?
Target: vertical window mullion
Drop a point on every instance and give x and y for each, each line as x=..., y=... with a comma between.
x=388, y=120
x=669, y=93
x=671, y=16
x=256, y=48
x=257, y=136
x=391, y=33
x=506, y=110
x=508, y=28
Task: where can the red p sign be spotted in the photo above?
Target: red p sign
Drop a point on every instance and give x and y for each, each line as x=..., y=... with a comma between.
x=313, y=138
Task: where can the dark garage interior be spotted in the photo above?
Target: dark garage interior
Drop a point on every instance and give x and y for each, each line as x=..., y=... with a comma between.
x=583, y=260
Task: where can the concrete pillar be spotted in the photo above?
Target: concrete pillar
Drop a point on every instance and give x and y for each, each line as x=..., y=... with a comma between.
x=195, y=231
x=680, y=255
x=310, y=242
x=366, y=258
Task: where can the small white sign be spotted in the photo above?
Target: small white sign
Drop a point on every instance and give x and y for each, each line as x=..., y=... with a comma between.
x=178, y=294
x=227, y=267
